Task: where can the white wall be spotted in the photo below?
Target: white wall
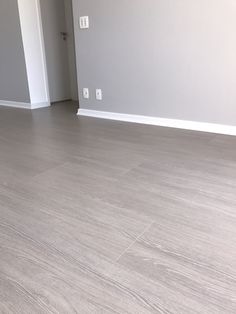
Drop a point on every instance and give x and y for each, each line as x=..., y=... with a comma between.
x=31, y=28
x=163, y=58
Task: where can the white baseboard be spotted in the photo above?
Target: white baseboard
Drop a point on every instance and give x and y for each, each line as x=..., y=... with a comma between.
x=23, y=105
x=172, y=123
x=40, y=105
x=15, y=104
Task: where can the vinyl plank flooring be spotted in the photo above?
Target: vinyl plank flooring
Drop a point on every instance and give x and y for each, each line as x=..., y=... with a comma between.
x=189, y=261
x=86, y=223
x=39, y=278
x=109, y=217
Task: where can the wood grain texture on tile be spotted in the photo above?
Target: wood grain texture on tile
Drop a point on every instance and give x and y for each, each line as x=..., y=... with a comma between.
x=109, y=217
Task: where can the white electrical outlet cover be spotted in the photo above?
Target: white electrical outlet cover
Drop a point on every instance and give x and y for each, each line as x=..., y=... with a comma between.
x=98, y=94
x=86, y=93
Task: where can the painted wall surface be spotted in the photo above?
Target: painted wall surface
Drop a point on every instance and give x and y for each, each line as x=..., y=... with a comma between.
x=164, y=58
x=13, y=77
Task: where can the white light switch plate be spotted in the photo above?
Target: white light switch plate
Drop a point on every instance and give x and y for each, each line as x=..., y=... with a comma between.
x=84, y=22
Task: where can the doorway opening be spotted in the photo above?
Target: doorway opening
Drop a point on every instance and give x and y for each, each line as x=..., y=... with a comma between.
x=58, y=32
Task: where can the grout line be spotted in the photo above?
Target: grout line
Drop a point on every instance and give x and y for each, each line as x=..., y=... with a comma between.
x=49, y=169
x=136, y=239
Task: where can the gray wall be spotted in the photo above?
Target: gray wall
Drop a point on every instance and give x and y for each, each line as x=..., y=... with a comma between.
x=13, y=78
x=164, y=58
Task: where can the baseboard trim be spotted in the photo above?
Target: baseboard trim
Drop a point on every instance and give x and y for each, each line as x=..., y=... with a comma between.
x=14, y=104
x=23, y=105
x=40, y=105
x=171, y=123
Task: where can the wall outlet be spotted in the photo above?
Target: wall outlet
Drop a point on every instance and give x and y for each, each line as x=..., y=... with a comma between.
x=98, y=94
x=86, y=93
x=84, y=22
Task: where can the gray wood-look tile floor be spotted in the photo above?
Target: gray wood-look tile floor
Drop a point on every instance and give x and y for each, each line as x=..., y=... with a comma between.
x=107, y=217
